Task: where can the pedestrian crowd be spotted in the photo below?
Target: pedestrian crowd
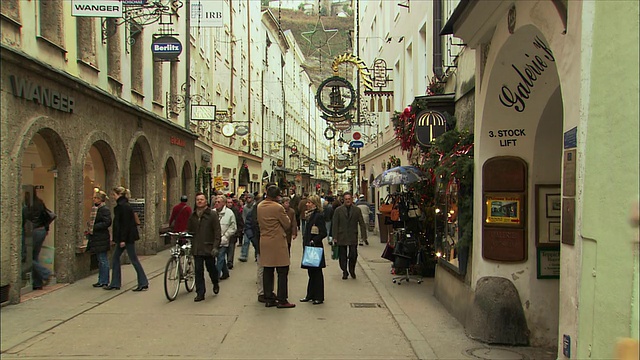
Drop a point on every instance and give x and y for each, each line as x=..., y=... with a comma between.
x=268, y=223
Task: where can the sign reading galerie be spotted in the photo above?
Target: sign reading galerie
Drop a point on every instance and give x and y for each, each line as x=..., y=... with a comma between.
x=97, y=8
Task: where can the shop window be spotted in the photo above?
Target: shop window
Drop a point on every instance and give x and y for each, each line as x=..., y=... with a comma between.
x=86, y=40
x=137, y=54
x=113, y=50
x=10, y=9
x=51, y=24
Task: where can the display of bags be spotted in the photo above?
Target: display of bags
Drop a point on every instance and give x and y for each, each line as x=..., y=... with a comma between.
x=387, y=253
x=312, y=256
x=386, y=206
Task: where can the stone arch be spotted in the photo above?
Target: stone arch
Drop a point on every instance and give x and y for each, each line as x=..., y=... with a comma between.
x=61, y=170
x=186, y=179
x=522, y=115
x=140, y=178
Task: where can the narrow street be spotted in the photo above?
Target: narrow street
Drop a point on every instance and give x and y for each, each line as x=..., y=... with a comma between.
x=366, y=318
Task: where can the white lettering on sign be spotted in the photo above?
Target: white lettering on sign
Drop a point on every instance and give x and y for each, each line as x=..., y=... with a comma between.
x=166, y=48
x=40, y=95
x=96, y=8
x=507, y=133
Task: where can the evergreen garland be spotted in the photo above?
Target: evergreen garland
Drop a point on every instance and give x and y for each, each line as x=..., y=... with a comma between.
x=448, y=160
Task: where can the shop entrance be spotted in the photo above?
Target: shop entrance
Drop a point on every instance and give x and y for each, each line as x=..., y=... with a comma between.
x=39, y=173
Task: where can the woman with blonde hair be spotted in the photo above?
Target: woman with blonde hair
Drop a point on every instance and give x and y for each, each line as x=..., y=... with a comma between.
x=314, y=231
x=98, y=235
x=125, y=234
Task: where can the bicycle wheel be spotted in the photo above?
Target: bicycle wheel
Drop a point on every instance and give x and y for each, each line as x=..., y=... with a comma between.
x=172, y=279
x=189, y=273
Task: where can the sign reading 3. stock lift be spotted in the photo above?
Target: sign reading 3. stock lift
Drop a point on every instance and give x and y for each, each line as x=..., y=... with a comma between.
x=166, y=48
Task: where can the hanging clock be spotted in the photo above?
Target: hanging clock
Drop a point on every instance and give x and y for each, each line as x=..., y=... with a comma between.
x=228, y=130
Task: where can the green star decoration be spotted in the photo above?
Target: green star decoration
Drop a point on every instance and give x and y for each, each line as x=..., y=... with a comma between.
x=317, y=43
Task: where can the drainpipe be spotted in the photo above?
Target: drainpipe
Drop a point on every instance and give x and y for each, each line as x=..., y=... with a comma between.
x=187, y=54
x=437, y=39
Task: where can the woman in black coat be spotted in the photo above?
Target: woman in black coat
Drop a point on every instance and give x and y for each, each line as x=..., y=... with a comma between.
x=98, y=235
x=125, y=234
x=314, y=231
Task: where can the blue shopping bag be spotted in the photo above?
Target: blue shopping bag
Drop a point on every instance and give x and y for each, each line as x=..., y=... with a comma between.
x=312, y=256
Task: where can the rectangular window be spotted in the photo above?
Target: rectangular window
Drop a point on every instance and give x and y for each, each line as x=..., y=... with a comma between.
x=86, y=40
x=157, y=82
x=51, y=26
x=10, y=9
x=137, y=54
x=113, y=50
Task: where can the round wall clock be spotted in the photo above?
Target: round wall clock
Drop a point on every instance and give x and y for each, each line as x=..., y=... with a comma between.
x=228, y=130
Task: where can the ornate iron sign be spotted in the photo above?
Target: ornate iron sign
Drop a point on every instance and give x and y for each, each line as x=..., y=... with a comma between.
x=335, y=97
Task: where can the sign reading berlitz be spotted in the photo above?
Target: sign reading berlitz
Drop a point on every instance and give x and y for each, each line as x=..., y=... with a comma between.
x=96, y=8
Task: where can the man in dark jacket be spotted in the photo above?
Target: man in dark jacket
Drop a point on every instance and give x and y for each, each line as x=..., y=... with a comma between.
x=204, y=225
x=346, y=221
x=294, y=203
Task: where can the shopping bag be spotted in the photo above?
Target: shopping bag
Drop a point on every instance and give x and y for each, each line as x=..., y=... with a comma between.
x=387, y=253
x=334, y=252
x=312, y=256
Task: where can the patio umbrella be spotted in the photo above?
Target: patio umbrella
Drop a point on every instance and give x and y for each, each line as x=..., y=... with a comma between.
x=401, y=175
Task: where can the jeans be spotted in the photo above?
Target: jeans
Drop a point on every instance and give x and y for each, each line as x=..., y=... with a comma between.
x=200, y=263
x=103, y=268
x=39, y=272
x=260, y=277
x=328, y=225
x=231, y=250
x=116, y=274
x=221, y=263
x=244, y=253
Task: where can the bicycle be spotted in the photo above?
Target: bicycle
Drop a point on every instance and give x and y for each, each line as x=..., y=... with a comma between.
x=180, y=266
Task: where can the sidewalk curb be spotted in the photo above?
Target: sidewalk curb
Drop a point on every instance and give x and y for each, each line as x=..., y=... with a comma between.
x=419, y=344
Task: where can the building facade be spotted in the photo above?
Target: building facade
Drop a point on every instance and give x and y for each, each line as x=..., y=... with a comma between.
x=80, y=112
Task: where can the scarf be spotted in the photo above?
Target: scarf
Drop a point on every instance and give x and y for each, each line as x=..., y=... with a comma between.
x=308, y=213
x=92, y=216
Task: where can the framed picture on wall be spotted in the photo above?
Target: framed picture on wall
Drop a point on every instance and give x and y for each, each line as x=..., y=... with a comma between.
x=553, y=204
x=554, y=231
x=547, y=215
x=504, y=209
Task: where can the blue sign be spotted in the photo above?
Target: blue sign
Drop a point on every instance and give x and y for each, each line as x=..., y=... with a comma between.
x=356, y=144
x=134, y=2
x=571, y=138
x=566, y=345
x=166, y=48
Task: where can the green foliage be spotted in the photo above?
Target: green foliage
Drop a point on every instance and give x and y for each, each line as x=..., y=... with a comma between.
x=323, y=11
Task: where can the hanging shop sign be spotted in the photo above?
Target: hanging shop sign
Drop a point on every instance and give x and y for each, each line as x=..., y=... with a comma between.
x=356, y=144
x=242, y=130
x=166, y=48
x=96, y=8
x=203, y=112
x=343, y=125
x=380, y=78
x=429, y=125
x=329, y=133
x=228, y=130
x=134, y=2
x=335, y=96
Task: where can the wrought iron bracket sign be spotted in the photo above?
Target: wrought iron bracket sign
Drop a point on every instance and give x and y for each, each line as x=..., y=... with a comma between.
x=335, y=96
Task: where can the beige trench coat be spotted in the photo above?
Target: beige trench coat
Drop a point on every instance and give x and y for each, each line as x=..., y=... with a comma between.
x=273, y=221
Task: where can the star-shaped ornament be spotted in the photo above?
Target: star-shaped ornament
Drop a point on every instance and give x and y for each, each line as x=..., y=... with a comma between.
x=319, y=38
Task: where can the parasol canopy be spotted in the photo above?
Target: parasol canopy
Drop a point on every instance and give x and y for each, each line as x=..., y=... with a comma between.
x=400, y=175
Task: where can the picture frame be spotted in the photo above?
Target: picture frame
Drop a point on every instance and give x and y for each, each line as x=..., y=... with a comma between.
x=548, y=207
x=553, y=205
x=548, y=263
x=554, y=231
x=504, y=209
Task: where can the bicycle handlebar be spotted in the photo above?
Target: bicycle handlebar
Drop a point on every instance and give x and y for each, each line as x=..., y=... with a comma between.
x=184, y=234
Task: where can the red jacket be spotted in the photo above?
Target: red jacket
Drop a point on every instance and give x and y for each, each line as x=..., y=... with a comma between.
x=180, y=214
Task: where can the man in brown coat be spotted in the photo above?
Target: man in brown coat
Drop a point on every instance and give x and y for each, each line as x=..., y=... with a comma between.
x=274, y=252
x=344, y=228
x=205, y=227
x=302, y=208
